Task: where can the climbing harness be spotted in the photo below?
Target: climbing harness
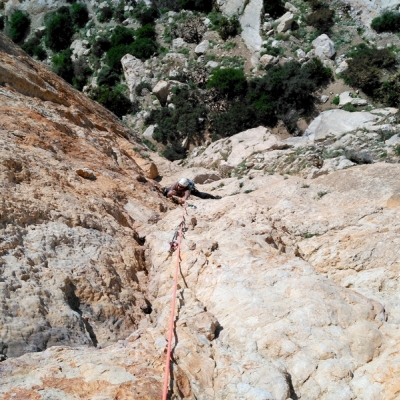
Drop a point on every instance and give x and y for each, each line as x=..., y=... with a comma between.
x=175, y=244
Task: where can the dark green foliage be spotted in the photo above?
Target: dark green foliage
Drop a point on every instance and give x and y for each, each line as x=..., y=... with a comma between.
x=64, y=10
x=2, y=21
x=397, y=150
x=358, y=157
x=59, y=31
x=275, y=8
x=229, y=81
x=119, y=13
x=271, y=50
x=364, y=69
x=315, y=4
x=147, y=31
x=107, y=77
x=173, y=125
x=289, y=87
x=113, y=99
x=149, y=144
x=79, y=14
x=141, y=86
x=82, y=71
x=146, y=15
x=121, y=35
x=321, y=19
x=34, y=48
x=388, y=21
x=62, y=65
x=228, y=27
x=114, y=55
x=123, y=42
x=389, y=92
x=195, y=5
x=18, y=25
x=100, y=46
x=385, y=134
x=143, y=48
x=105, y=14
x=349, y=107
x=174, y=152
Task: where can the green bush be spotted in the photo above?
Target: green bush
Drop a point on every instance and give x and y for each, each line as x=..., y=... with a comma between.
x=107, y=77
x=113, y=99
x=18, y=25
x=389, y=91
x=321, y=19
x=62, y=65
x=34, y=48
x=100, y=46
x=121, y=35
x=143, y=48
x=196, y=5
x=336, y=100
x=146, y=15
x=388, y=21
x=364, y=67
x=2, y=21
x=186, y=120
x=79, y=14
x=349, y=107
x=147, y=31
x=174, y=152
x=105, y=14
x=59, y=31
x=397, y=150
x=229, y=81
x=275, y=8
x=119, y=12
x=229, y=27
x=114, y=55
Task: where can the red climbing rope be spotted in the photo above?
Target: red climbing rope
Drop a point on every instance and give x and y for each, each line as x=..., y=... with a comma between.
x=171, y=322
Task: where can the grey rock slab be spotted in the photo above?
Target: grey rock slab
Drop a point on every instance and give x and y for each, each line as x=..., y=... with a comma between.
x=333, y=123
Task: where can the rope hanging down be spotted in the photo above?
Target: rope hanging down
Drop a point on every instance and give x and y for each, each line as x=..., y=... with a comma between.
x=175, y=244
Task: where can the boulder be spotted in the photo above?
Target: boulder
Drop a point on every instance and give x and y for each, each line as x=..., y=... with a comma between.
x=268, y=61
x=324, y=47
x=163, y=89
x=202, y=47
x=341, y=67
x=285, y=22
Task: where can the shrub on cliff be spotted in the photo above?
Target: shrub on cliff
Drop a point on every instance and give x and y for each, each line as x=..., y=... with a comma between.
x=388, y=21
x=34, y=48
x=113, y=99
x=62, y=65
x=79, y=14
x=59, y=30
x=121, y=35
x=229, y=27
x=229, y=81
x=100, y=46
x=146, y=15
x=275, y=8
x=105, y=14
x=2, y=22
x=18, y=25
x=107, y=77
x=321, y=19
x=364, y=67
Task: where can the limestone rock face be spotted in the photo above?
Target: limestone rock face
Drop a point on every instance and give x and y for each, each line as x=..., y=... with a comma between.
x=134, y=71
x=333, y=123
x=72, y=262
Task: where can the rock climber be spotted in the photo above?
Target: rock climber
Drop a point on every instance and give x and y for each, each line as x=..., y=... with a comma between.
x=181, y=190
